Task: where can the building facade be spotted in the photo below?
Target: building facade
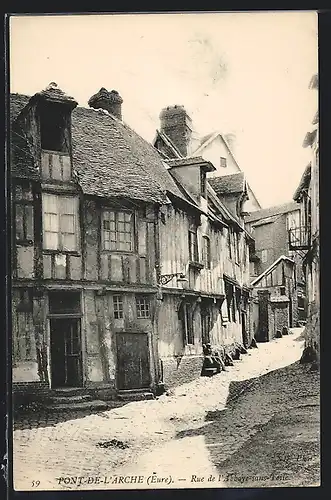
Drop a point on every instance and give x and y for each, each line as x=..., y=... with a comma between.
x=305, y=237
x=270, y=229
x=124, y=262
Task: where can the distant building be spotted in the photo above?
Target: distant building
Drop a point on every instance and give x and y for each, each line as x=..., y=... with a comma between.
x=270, y=230
x=274, y=303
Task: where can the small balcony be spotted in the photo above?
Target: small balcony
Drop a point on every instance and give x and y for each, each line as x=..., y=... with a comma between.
x=299, y=238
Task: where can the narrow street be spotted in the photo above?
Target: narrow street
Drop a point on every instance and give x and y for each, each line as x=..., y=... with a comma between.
x=269, y=428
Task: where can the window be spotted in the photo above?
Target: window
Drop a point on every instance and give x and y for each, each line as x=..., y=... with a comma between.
x=237, y=247
x=193, y=245
x=223, y=162
x=60, y=222
x=206, y=252
x=264, y=256
x=282, y=290
x=117, y=230
x=23, y=214
x=53, y=128
x=142, y=307
x=233, y=307
x=238, y=303
x=203, y=183
x=118, y=306
x=25, y=301
x=229, y=300
x=229, y=243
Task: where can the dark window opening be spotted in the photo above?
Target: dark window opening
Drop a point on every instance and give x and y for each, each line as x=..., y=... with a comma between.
x=24, y=226
x=193, y=245
x=64, y=302
x=53, y=128
x=238, y=302
x=25, y=303
x=230, y=302
x=282, y=290
x=229, y=243
x=203, y=183
x=206, y=252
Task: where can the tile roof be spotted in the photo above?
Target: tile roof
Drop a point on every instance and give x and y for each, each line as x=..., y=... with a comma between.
x=228, y=184
x=271, y=268
x=109, y=158
x=113, y=160
x=195, y=160
x=267, y=220
x=271, y=211
x=22, y=162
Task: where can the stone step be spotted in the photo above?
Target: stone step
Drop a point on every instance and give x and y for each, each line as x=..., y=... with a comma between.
x=69, y=391
x=93, y=405
x=135, y=395
x=71, y=399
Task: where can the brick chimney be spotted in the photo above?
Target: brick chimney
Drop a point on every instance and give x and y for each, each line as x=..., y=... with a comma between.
x=177, y=125
x=110, y=101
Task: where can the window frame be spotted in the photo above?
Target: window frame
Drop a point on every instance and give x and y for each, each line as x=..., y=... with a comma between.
x=59, y=214
x=116, y=231
x=223, y=162
x=118, y=308
x=229, y=242
x=193, y=244
x=206, y=252
x=146, y=309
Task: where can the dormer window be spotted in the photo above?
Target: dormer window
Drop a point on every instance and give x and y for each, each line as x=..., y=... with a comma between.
x=54, y=129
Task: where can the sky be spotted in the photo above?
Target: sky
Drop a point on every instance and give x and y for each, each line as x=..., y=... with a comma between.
x=245, y=74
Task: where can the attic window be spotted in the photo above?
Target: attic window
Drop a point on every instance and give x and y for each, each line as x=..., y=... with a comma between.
x=54, y=128
x=223, y=162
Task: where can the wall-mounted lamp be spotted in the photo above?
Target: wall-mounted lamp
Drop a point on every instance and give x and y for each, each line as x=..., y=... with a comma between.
x=165, y=278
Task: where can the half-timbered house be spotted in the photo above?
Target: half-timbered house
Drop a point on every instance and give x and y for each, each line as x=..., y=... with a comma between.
x=204, y=258
x=124, y=261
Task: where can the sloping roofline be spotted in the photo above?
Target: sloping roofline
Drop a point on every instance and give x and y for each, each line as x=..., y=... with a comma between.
x=270, y=268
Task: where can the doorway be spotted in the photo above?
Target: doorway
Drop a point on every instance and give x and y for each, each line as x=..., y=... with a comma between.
x=66, y=352
x=133, y=366
x=263, y=325
x=243, y=330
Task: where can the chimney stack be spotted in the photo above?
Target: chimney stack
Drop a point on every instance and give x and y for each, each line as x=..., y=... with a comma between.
x=177, y=125
x=110, y=101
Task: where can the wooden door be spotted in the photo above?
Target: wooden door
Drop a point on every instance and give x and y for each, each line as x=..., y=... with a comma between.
x=66, y=353
x=133, y=370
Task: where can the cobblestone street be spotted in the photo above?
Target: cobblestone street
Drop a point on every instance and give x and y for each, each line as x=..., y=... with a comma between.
x=185, y=433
